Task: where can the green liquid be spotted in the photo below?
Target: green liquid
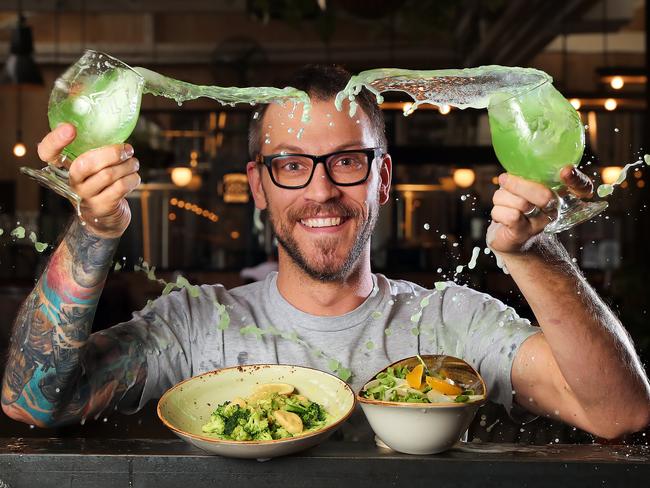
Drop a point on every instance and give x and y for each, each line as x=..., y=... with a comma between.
x=181, y=91
x=104, y=110
x=536, y=134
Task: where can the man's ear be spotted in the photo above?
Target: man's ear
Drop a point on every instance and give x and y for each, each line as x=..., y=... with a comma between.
x=385, y=175
x=254, y=173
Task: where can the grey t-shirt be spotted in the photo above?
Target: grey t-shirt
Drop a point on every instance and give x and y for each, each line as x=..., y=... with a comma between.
x=186, y=335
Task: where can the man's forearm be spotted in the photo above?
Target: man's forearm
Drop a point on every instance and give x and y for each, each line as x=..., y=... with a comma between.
x=592, y=349
x=52, y=327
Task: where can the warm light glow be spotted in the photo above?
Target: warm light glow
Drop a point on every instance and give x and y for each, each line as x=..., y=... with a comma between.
x=464, y=177
x=181, y=176
x=222, y=120
x=172, y=216
x=406, y=108
x=20, y=150
x=195, y=183
x=610, y=174
x=194, y=155
x=444, y=109
x=617, y=83
x=234, y=234
x=640, y=184
x=610, y=104
x=576, y=103
x=173, y=201
x=181, y=203
x=495, y=180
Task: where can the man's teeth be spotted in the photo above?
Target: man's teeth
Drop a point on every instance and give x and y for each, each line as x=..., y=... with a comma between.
x=321, y=222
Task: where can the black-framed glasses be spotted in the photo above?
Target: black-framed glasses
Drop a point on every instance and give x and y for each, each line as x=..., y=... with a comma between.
x=343, y=168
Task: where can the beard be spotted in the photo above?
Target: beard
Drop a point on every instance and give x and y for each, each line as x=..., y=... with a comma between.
x=321, y=263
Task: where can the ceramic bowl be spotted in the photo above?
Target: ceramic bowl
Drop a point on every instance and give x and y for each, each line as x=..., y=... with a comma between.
x=425, y=428
x=185, y=407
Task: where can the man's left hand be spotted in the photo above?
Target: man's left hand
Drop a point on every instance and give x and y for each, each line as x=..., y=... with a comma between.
x=522, y=208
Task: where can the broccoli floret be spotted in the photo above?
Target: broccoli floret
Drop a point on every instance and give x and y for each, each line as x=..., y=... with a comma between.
x=240, y=434
x=215, y=426
x=280, y=433
x=311, y=414
x=232, y=415
x=256, y=423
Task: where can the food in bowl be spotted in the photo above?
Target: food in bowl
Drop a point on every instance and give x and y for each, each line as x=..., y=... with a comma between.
x=412, y=415
x=420, y=384
x=273, y=411
x=187, y=406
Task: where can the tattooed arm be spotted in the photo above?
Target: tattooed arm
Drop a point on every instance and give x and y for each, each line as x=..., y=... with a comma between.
x=57, y=372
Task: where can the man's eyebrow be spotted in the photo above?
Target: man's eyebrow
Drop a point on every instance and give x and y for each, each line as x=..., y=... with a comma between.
x=299, y=150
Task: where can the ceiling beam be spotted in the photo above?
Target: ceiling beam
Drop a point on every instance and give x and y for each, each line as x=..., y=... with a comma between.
x=515, y=10
x=122, y=6
x=534, y=34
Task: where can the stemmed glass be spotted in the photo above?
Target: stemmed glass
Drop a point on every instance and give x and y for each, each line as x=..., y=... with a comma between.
x=100, y=96
x=535, y=134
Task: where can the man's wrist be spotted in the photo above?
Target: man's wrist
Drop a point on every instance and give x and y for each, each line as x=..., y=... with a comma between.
x=543, y=247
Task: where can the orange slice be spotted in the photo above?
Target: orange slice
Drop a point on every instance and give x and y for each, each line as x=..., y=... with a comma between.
x=414, y=378
x=442, y=386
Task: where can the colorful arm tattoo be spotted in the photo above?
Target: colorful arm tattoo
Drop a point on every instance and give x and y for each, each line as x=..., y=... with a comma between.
x=57, y=372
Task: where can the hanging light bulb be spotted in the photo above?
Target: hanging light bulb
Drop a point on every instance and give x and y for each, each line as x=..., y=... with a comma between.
x=20, y=67
x=617, y=83
x=181, y=176
x=610, y=104
x=19, y=150
x=610, y=174
x=464, y=177
x=444, y=109
x=576, y=103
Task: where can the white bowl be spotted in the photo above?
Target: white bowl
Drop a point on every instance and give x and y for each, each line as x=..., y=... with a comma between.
x=185, y=407
x=424, y=428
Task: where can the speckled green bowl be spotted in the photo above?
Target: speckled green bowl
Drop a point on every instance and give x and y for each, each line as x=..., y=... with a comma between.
x=185, y=407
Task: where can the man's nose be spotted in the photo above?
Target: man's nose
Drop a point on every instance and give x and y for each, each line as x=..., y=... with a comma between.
x=321, y=188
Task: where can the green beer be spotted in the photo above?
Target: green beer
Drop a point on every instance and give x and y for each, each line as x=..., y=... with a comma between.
x=102, y=104
x=536, y=134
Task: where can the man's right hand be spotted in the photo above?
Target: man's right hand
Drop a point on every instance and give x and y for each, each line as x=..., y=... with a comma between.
x=101, y=177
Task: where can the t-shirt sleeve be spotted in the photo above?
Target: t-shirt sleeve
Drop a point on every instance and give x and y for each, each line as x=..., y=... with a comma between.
x=491, y=334
x=162, y=331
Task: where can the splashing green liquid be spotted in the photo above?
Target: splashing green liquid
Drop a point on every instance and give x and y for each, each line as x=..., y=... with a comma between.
x=459, y=88
x=607, y=189
x=181, y=91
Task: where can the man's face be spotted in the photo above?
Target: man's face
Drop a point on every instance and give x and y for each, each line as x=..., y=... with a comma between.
x=323, y=228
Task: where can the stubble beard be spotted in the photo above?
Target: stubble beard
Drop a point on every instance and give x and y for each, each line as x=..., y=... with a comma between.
x=320, y=264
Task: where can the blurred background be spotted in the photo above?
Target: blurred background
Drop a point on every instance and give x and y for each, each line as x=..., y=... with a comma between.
x=193, y=213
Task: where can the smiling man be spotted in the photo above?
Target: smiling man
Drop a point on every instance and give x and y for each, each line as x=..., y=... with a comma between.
x=325, y=307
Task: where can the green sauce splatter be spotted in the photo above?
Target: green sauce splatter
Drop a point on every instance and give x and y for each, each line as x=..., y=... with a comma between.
x=440, y=285
x=18, y=232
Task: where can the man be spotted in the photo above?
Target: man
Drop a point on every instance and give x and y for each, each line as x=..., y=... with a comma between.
x=324, y=308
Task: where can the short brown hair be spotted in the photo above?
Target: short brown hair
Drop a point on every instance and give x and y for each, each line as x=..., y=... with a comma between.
x=322, y=82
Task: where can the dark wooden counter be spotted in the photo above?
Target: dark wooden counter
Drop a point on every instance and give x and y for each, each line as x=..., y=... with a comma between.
x=162, y=463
